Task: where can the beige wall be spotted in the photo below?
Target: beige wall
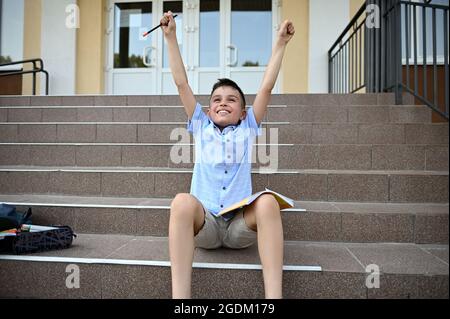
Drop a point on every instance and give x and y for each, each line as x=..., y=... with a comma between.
x=90, y=48
x=32, y=42
x=354, y=7
x=295, y=64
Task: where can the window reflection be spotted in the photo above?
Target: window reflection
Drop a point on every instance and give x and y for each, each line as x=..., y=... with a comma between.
x=11, y=30
x=251, y=31
x=209, y=33
x=130, y=20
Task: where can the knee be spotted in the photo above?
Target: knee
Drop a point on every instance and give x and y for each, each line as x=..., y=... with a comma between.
x=266, y=206
x=183, y=206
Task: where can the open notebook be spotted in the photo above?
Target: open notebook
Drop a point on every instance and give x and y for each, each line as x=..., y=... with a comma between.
x=284, y=201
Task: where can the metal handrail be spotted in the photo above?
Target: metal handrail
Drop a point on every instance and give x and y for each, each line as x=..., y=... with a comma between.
x=391, y=51
x=349, y=26
x=33, y=71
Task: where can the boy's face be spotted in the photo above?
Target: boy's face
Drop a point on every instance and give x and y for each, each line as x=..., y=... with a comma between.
x=225, y=107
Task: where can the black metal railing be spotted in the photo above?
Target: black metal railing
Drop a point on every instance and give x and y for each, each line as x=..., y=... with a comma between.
x=395, y=46
x=33, y=71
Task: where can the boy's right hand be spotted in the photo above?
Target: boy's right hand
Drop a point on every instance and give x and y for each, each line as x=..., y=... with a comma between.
x=168, y=24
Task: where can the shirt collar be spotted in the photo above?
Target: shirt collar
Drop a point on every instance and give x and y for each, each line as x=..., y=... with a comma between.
x=226, y=129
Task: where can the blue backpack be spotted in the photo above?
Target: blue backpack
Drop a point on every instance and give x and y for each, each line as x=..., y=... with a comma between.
x=10, y=218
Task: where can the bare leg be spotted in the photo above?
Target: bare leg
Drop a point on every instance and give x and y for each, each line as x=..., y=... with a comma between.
x=264, y=216
x=186, y=219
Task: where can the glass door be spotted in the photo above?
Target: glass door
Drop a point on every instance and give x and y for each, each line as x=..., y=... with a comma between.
x=217, y=38
x=235, y=41
x=167, y=84
x=249, y=43
x=132, y=59
x=207, y=66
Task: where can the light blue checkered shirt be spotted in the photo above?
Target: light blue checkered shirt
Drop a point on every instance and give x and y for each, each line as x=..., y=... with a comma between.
x=223, y=160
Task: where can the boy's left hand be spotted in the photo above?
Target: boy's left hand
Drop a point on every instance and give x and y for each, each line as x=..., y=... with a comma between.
x=286, y=31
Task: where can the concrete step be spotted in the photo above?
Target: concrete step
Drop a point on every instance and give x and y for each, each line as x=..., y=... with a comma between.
x=150, y=100
x=309, y=185
x=308, y=221
x=276, y=113
x=177, y=155
x=274, y=133
x=113, y=266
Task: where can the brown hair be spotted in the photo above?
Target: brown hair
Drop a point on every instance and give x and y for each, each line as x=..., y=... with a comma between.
x=230, y=83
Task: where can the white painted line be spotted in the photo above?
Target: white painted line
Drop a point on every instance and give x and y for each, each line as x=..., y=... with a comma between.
x=112, y=107
x=37, y=204
x=86, y=205
x=137, y=170
x=119, y=144
x=104, y=261
x=118, y=123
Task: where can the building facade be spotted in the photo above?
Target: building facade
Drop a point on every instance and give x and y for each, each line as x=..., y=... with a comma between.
x=96, y=46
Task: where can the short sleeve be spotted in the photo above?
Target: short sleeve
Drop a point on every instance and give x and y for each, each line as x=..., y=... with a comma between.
x=252, y=124
x=197, y=120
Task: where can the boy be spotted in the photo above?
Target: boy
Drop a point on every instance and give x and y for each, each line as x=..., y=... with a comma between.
x=217, y=185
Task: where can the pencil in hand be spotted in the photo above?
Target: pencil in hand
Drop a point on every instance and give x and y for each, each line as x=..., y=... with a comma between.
x=150, y=31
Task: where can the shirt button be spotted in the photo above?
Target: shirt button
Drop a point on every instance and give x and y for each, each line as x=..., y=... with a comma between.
x=224, y=188
x=221, y=206
x=226, y=172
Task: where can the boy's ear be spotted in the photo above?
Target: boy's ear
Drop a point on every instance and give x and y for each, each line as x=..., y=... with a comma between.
x=243, y=115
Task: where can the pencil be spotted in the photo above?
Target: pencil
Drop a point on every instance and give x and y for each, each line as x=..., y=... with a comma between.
x=148, y=32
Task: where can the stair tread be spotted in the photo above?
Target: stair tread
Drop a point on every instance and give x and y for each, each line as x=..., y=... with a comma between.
x=164, y=203
x=392, y=258
x=100, y=169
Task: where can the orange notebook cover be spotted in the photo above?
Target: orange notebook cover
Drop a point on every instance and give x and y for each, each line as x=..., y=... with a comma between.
x=283, y=201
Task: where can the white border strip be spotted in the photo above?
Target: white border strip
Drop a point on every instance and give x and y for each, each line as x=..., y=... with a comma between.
x=34, y=107
x=104, y=261
x=183, y=124
x=118, y=144
x=111, y=206
x=125, y=170
x=86, y=205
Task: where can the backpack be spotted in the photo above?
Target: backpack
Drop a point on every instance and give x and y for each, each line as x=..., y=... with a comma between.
x=10, y=218
x=29, y=238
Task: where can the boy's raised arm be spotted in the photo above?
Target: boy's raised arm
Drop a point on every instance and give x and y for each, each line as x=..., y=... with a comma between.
x=176, y=64
x=273, y=68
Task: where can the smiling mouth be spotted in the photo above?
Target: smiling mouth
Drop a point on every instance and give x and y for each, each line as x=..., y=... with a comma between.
x=223, y=112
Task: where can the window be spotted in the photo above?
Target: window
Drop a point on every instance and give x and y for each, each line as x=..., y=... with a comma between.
x=11, y=30
x=131, y=19
x=209, y=33
x=251, y=31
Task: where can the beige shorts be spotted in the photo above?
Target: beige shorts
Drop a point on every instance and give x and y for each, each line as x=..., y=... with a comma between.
x=217, y=232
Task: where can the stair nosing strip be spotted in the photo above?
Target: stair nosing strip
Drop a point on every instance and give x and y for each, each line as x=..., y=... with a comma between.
x=118, y=123
x=37, y=204
x=122, y=144
x=254, y=171
x=106, y=261
x=34, y=107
